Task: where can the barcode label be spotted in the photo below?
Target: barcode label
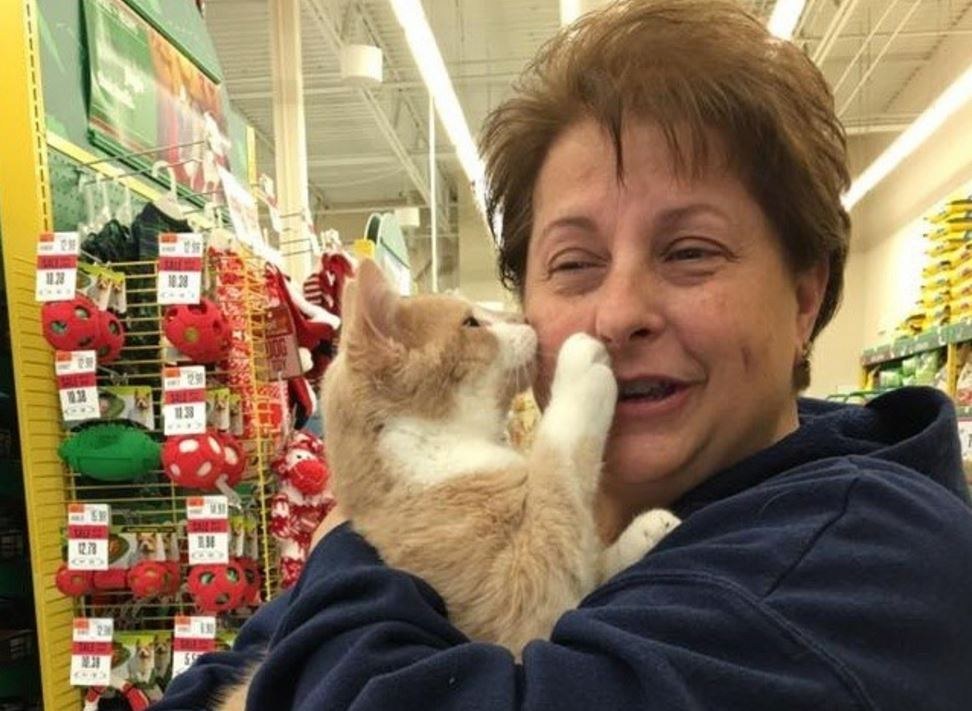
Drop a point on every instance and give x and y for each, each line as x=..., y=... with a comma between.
x=76, y=384
x=57, y=266
x=184, y=400
x=207, y=525
x=88, y=536
x=91, y=651
x=194, y=636
x=180, y=268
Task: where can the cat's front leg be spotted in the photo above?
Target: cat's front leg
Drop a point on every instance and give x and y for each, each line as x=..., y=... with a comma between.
x=635, y=541
x=577, y=419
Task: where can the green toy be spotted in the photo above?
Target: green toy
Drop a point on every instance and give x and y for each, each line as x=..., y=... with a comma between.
x=115, y=451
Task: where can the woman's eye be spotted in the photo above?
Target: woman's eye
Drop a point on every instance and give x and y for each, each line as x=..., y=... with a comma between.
x=569, y=266
x=690, y=254
x=471, y=322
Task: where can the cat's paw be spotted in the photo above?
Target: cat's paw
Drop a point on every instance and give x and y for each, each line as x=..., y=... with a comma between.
x=584, y=383
x=636, y=540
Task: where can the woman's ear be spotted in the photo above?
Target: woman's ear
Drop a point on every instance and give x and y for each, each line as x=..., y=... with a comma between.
x=811, y=286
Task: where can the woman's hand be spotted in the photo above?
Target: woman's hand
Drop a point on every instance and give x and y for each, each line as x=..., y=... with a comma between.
x=335, y=517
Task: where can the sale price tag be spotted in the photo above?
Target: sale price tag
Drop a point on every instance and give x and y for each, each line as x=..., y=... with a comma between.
x=180, y=268
x=194, y=636
x=57, y=266
x=207, y=525
x=91, y=651
x=88, y=536
x=184, y=400
x=76, y=384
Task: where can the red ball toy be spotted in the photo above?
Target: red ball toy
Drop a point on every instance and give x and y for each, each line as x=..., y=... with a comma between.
x=148, y=578
x=111, y=579
x=193, y=461
x=172, y=577
x=74, y=583
x=217, y=588
x=251, y=571
x=198, y=330
x=111, y=337
x=234, y=458
x=71, y=325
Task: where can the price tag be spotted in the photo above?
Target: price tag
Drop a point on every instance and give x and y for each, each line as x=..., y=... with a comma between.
x=76, y=384
x=88, y=536
x=194, y=636
x=207, y=525
x=57, y=266
x=91, y=651
x=184, y=400
x=180, y=268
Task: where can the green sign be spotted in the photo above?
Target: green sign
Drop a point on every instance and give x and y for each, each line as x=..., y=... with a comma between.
x=146, y=96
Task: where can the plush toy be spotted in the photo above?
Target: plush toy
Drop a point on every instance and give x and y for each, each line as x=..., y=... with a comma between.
x=301, y=502
x=198, y=330
x=234, y=458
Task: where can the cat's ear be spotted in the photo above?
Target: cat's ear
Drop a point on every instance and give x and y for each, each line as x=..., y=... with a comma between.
x=371, y=313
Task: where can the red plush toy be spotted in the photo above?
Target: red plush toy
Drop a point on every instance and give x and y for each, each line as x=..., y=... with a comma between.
x=234, y=458
x=194, y=461
x=301, y=502
x=217, y=588
x=73, y=325
x=198, y=330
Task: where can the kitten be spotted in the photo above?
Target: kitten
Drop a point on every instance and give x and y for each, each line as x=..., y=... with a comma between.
x=415, y=405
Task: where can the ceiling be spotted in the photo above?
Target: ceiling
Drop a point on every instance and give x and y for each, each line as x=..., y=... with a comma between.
x=369, y=149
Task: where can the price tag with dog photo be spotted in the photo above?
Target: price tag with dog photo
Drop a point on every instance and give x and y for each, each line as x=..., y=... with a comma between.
x=88, y=536
x=91, y=651
x=194, y=636
x=180, y=268
x=207, y=525
x=184, y=403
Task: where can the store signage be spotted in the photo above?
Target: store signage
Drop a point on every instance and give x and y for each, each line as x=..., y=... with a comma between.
x=76, y=385
x=194, y=636
x=87, y=534
x=180, y=268
x=207, y=525
x=57, y=266
x=184, y=400
x=91, y=651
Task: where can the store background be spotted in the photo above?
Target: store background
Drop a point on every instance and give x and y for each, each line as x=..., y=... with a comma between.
x=367, y=150
x=888, y=59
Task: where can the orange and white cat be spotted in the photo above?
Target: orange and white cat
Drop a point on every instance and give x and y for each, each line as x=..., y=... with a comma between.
x=415, y=407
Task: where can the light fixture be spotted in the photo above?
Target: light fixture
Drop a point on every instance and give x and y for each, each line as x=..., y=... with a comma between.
x=570, y=10
x=931, y=119
x=425, y=52
x=786, y=15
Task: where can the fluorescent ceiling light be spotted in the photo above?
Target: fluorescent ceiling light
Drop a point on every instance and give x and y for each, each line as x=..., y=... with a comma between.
x=570, y=10
x=941, y=109
x=425, y=51
x=786, y=15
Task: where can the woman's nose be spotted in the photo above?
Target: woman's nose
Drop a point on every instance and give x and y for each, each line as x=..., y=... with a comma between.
x=628, y=308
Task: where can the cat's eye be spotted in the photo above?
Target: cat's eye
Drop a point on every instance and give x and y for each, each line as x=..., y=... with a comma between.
x=471, y=322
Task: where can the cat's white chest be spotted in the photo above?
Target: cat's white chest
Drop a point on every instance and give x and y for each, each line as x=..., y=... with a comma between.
x=429, y=453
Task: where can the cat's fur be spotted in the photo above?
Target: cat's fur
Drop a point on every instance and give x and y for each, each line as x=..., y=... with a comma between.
x=415, y=406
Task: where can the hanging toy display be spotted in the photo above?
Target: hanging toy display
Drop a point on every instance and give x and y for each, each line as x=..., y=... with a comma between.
x=73, y=325
x=149, y=578
x=111, y=452
x=217, y=588
x=234, y=458
x=194, y=461
x=74, y=583
x=200, y=331
x=301, y=502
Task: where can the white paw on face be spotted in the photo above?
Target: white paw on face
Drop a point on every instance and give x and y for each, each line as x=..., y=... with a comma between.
x=584, y=380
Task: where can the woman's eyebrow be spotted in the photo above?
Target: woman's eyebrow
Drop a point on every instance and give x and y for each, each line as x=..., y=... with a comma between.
x=676, y=216
x=583, y=223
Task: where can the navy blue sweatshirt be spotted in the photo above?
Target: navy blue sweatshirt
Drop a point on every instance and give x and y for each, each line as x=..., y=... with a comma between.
x=832, y=571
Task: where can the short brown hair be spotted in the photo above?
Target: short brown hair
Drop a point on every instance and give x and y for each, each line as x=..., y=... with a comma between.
x=694, y=68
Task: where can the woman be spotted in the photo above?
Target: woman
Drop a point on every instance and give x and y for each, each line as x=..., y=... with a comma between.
x=669, y=177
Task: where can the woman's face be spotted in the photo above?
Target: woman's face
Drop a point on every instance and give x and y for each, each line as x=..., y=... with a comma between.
x=685, y=282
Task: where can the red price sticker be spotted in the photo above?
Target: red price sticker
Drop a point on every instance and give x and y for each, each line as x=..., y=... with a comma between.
x=180, y=268
x=184, y=400
x=194, y=636
x=207, y=526
x=88, y=526
x=76, y=385
x=57, y=266
x=91, y=651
